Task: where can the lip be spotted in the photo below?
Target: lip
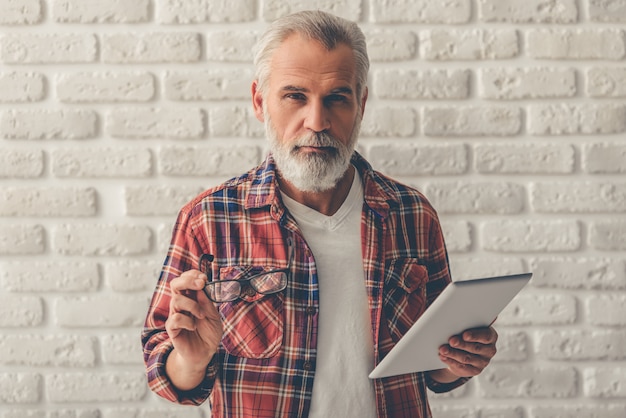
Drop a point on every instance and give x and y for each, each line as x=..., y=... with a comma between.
x=313, y=149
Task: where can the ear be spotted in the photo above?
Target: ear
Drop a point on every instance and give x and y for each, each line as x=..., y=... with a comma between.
x=364, y=100
x=257, y=101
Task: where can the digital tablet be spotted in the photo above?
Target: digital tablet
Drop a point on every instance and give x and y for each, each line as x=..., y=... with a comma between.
x=462, y=305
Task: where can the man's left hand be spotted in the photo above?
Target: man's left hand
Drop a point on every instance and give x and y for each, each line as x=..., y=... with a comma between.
x=468, y=353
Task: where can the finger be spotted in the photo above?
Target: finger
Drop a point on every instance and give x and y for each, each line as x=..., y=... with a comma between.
x=185, y=305
x=485, y=350
x=466, y=358
x=460, y=369
x=178, y=322
x=189, y=280
x=486, y=335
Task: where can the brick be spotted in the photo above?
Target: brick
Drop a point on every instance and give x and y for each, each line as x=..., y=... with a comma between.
x=234, y=121
x=57, y=413
x=446, y=411
x=474, y=267
x=604, y=158
x=528, y=11
x=572, y=119
x=607, y=310
x=578, y=197
x=164, y=236
x=579, y=411
x=208, y=161
x=20, y=311
x=21, y=239
x=20, y=388
x=151, y=48
x=205, y=11
x=384, y=45
x=529, y=308
x=607, y=11
x=115, y=162
x=49, y=276
x=121, y=349
x=90, y=87
x=472, y=121
x=143, y=412
x=579, y=345
x=547, y=382
x=606, y=82
x=48, y=124
x=101, y=239
x=527, y=83
x=21, y=87
x=608, y=382
x=208, y=85
x=531, y=236
x=157, y=200
x=457, y=236
x=230, y=45
x=406, y=159
x=493, y=411
x=20, y=12
x=531, y=158
x=168, y=123
x=96, y=11
x=608, y=235
x=95, y=387
x=132, y=275
x=21, y=163
x=52, y=48
x=348, y=9
x=468, y=44
x=428, y=84
x=421, y=11
x=477, y=197
x=47, y=351
x=576, y=44
x=513, y=346
x=101, y=311
x=579, y=273
x=387, y=121
x=47, y=202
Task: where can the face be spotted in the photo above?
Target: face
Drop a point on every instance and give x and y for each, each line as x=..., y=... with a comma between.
x=311, y=112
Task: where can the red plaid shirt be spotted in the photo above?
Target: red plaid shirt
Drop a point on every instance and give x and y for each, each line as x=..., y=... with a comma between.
x=265, y=364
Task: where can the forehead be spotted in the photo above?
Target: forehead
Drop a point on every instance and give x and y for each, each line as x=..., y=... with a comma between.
x=307, y=63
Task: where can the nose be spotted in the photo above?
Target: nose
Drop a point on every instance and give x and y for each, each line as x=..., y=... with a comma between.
x=317, y=118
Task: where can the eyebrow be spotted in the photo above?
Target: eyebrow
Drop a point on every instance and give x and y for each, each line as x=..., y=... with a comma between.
x=338, y=90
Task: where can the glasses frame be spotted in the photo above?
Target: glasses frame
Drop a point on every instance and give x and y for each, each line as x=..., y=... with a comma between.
x=209, y=258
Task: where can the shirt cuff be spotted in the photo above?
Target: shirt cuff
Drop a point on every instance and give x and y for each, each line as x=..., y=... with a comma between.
x=438, y=387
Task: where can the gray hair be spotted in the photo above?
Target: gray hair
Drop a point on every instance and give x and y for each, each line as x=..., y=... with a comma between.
x=319, y=26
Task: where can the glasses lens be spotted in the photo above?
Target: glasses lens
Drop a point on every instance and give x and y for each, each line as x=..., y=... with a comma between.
x=223, y=291
x=271, y=282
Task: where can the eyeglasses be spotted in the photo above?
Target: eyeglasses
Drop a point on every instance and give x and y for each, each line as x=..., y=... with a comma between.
x=266, y=283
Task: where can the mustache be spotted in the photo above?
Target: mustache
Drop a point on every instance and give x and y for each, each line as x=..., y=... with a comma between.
x=317, y=139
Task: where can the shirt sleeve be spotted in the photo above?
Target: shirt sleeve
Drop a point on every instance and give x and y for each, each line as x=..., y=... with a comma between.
x=182, y=255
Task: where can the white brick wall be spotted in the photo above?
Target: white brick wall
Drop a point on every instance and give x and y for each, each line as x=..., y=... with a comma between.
x=509, y=115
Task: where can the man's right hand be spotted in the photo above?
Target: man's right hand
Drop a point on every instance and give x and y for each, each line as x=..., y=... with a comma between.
x=194, y=327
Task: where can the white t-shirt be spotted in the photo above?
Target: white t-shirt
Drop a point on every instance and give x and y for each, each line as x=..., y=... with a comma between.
x=345, y=348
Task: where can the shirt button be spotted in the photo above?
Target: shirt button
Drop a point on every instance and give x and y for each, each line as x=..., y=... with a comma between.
x=308, y=366
x=250, y=292
x=310, y=310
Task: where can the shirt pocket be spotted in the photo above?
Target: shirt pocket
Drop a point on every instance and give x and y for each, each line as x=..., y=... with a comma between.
x=404, y=299
x=253, y=324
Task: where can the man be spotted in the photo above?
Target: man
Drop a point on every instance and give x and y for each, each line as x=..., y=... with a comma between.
x=284, y=287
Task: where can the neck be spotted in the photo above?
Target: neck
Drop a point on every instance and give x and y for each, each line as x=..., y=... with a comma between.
x=327, y=202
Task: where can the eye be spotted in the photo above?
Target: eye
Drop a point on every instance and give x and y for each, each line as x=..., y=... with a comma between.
x=336, y=99
x=299, y=97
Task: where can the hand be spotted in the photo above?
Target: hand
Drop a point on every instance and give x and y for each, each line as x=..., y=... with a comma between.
x=468, y=353
x=193, y=325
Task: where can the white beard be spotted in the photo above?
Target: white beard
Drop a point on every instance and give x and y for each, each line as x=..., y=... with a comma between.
x=311, y=172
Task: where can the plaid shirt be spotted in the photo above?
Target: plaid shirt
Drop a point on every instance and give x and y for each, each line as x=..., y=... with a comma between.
x=265, y=364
